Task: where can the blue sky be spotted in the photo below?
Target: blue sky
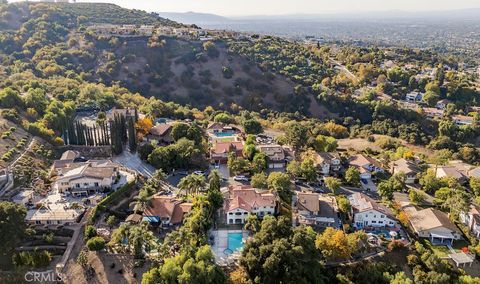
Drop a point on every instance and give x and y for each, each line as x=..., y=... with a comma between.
x=276, y=7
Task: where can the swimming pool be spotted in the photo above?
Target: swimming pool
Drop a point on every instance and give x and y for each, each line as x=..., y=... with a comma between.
x=235, y=241
x=222, y=134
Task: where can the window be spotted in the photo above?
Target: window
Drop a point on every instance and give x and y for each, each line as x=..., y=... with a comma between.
x=374, y=216
x=230, y=213
x=77, y=185
x=391, y=223
x=374, y=222
x=380, y=222
x=38, y=222
x=96, y=184
x=382, y=216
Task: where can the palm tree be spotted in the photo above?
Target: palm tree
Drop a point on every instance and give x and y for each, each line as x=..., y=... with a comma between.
x=192, y=183
x=143, y=199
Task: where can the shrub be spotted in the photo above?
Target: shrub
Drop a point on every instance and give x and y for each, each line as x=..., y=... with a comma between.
x=90, y=232
x=96, y=244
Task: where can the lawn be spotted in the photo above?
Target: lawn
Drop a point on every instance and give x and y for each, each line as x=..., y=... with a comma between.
x=440, y=251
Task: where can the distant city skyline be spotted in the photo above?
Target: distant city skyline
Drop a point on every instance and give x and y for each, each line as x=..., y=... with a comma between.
x=281, y=7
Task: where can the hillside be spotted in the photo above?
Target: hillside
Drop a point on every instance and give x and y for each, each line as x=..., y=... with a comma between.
x=187, y=71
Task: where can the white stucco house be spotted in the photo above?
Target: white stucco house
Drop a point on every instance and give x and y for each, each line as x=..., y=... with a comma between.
x=368, y=213
x=328, y=162
x=244, y=200
x=471, y=219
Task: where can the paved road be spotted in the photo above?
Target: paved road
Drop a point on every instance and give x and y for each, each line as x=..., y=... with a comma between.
x=133, y=161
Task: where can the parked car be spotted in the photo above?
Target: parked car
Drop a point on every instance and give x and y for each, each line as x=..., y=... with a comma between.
x=240, y=178
x=200, y=173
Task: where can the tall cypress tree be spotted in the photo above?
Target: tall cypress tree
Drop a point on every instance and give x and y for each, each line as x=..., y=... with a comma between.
x=132, y=139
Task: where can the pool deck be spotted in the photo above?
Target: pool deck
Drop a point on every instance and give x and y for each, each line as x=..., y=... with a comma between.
x=221, y=244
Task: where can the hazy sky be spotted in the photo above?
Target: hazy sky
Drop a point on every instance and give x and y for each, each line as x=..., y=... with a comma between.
x=275, y=7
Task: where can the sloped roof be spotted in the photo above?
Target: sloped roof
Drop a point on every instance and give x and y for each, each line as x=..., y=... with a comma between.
x=273, y=152
x=224, y=147
x=326, y=157
x=405, y=166
x=362, y=203
x=160, y=129
x=246, y=197
x=70, y=155
x=308, y=201
x=428, y=219
x=361, y=160
x=168, y=207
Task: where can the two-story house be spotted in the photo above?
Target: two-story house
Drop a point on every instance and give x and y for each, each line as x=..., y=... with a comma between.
x=367, y=213
x=313, y=209
x=407, y=167
x=365, y=165
x=275, y=155
x=82, y=179
x=244, y=200
x=327, y=163
x=471, y=219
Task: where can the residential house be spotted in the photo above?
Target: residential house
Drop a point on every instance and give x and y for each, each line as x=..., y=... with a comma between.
x=451, y=172
x=471, y=219
x=220, y=150
x=366, y=166
x=414, y=97
x=367, y=213
x=161, y=133
x=442, y=104
x=328, y=162
x=82, y=179
x=244, y=200
x=6, y=179
x=474, y=173
x=407, y=167
x=432, y=113
x=54, y=215
x=66, y=160
x=463, y=120
x=126, y=112
x=313, y=209
x=275, y=155
x=221, y=130
x=166, y=210
x=433, y=224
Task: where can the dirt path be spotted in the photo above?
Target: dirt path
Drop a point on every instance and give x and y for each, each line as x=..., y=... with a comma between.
x=29, y=147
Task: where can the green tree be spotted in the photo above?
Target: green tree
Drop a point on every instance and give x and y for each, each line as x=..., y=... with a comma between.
x=416, y=197
x=352, y=176
x=333, y=184
x=223, y=118
x=12, y=220
x=259, y=180
x=90, y=232
x=192, y=184
x=278, y=252
x=96, y=244
x=475, y=185
x=280, y=183
x=252, y=126
x=308, y=169
x=10, y=98
x=296, y=135
x=325, y=143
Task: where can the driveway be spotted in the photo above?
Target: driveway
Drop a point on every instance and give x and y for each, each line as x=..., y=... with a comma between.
x=133, y=162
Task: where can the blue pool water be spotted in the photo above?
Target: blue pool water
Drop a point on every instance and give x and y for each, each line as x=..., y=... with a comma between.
x=235, y=241
x=223, y=134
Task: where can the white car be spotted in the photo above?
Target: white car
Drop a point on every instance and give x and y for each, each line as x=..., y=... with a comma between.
x=200, y=173
x=240, y=178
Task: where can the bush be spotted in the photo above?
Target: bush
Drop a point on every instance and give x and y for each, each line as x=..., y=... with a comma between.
x=96, y=244
x=90, y=232
x=34, y=259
